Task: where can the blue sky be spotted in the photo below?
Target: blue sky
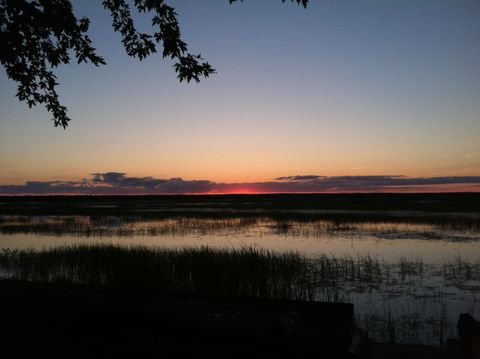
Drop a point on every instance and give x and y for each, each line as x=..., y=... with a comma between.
x=357, y=87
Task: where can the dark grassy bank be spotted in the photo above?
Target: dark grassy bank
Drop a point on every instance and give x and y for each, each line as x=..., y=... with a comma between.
x=107, y=301
x=85, y=321
x=71, y=320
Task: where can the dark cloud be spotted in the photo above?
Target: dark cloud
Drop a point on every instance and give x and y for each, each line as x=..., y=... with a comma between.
x=368, y=183
x=119, y=179
x=120, y=183
x=36, y=187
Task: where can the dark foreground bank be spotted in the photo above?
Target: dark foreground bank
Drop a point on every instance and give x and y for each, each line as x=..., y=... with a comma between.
x=73, y=320
x=79, y=320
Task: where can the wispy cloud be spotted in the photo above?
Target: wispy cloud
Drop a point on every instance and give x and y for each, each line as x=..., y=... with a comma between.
x=299, y=178
x=120, y=183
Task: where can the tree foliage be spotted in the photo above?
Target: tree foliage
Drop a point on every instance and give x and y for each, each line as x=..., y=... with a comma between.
x=36, y=36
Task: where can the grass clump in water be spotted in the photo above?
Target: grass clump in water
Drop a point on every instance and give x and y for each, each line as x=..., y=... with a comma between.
x=246, y=271
x=410, y=267
x=461, y=270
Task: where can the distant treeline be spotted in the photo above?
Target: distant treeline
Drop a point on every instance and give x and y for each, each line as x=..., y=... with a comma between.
x=224, y=205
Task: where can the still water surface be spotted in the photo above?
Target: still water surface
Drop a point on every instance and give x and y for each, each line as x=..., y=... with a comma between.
x=420, y=307
x=386, y=240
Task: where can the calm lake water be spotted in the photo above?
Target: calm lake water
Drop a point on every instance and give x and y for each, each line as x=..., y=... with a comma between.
x=430, y=269
x=386, y=240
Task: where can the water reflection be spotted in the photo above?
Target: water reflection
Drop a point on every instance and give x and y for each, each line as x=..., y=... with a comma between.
x=386, y=239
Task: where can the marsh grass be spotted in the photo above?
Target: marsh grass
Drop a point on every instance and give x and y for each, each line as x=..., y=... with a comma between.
x=291, y=224
x=108, y=226
x=409, y=322
x=328, y=270
x=246, y=272
x=460, y=270
x=392, y=328
x=410, y=267
x=249, y=271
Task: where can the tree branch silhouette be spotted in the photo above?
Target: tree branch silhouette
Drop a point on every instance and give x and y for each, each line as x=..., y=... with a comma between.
x=37, y=36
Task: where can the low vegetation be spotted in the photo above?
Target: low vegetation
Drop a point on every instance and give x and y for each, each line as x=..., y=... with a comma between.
x=384, y=225
x=248, y=271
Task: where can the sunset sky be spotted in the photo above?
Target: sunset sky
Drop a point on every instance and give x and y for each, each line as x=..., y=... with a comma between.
x=349, y=94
